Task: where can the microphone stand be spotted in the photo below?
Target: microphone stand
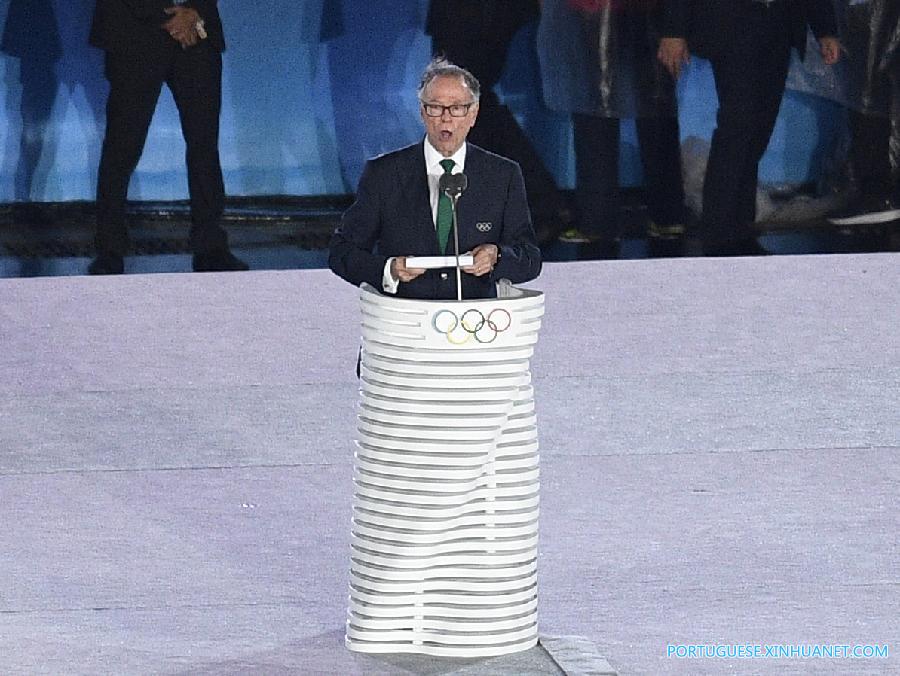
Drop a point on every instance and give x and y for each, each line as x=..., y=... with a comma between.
x=453, y=185
x=453, y=200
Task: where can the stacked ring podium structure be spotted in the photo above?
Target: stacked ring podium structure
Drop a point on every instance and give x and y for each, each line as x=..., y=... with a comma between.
x=445, y=508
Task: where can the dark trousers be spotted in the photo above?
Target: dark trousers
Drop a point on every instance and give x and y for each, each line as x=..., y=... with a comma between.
x=597, y=171
x=750, y=77
x=195, y=78
x=875, y=153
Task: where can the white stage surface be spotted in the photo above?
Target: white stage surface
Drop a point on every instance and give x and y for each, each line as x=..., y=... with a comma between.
x=719, y=447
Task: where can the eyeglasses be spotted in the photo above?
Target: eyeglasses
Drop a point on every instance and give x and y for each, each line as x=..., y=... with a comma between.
x=456, y=110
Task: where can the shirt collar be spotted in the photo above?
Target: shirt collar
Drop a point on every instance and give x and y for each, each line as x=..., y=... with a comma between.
x=433, y=159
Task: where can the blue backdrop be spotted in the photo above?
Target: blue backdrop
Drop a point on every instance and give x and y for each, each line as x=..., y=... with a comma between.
x=311, y=89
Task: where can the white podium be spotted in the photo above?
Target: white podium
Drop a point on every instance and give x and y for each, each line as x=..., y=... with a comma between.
x=445, y=509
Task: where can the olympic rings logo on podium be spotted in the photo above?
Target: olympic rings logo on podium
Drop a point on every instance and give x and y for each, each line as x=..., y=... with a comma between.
x=472, y=323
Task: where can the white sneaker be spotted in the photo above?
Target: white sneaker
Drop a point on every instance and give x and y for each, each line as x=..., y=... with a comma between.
x=869, y=212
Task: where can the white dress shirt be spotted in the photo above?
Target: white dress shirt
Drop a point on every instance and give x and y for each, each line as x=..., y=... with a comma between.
x=434, y=171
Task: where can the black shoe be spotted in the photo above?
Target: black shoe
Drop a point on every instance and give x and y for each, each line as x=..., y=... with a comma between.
x=604, y=249
x=665, y=247
x=867, y=211
x=107, y=264
x=218, y=261
x=738, y=247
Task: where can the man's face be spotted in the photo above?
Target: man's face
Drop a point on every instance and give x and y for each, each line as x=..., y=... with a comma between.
x=445, y=132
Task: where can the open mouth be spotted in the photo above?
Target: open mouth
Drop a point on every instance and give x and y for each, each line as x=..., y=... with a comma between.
x=446, y=135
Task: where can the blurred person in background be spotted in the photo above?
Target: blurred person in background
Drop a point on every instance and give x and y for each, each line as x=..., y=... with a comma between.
x=872, y=38
x=149, y=43
x=476, y=35
x=598, y=62
x=748, y=43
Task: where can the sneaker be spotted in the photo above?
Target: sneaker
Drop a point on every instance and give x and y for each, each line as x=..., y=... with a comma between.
x=669, y=231
x=106, y=264
x=868, y=211
x=574, y=236
x=218, y=261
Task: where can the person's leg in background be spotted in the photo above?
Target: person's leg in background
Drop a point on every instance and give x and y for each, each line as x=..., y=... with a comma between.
x=870, y=164
x=874, y=181
x=196, y=84
x=660, y=147
x=750, y=79
x=135, y=84
x=874, y=166
x=597, y=190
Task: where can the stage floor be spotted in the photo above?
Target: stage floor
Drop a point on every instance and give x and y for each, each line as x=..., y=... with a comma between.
x=719, y=443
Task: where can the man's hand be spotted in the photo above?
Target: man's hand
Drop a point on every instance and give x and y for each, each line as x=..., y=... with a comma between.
x=403, y=273
x=673, y=53
x=831, y=50
x=485, y=259
x=182, y=25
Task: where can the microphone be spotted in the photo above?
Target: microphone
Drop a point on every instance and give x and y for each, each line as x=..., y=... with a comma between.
x=453, y=185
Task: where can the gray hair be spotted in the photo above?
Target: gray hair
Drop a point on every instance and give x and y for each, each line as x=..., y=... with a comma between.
x=440, y=67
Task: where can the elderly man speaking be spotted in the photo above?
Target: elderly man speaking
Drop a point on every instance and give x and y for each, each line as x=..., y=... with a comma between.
x=399, y=211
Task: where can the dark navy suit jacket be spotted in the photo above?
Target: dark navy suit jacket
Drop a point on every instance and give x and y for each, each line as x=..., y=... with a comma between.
x=392, y=217
x=134, y=26
x=710, y=25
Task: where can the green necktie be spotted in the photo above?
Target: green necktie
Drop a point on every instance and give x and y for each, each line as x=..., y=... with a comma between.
x=444, y=211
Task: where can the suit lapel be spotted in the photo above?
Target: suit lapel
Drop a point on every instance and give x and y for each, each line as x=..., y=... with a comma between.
x=419, y=209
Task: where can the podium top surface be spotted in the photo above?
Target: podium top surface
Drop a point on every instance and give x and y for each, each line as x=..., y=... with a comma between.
x=510, y=295
x=508, y=324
